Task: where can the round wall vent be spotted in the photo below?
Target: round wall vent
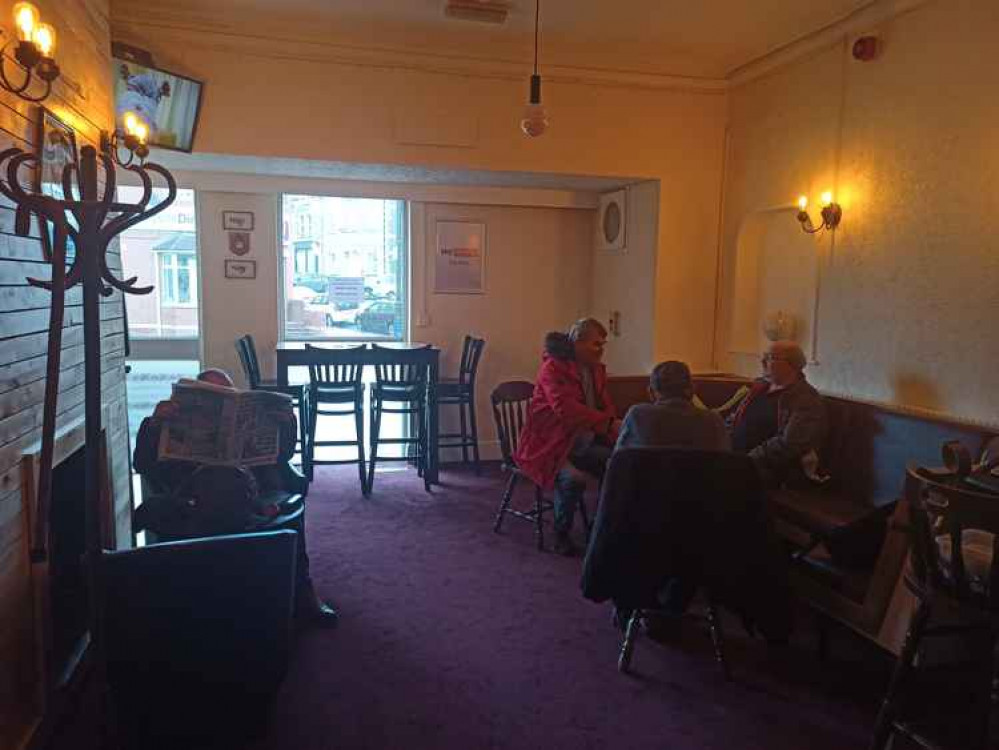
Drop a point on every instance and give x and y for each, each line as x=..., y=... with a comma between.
x=612, y=221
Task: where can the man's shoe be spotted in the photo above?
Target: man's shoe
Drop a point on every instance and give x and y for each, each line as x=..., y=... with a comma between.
x=311, y=610
x=324, y=616
x=565, y=546
x=317, y=613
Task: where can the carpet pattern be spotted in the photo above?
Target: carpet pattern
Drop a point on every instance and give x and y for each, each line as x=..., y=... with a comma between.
x=455, y=637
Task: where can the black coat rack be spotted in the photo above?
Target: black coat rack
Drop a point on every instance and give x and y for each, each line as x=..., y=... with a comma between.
x=90, y=217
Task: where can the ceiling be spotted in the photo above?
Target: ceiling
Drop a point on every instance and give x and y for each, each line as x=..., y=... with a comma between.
x=692, y=38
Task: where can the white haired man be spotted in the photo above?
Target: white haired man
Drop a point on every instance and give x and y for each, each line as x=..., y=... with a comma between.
x=782, y=422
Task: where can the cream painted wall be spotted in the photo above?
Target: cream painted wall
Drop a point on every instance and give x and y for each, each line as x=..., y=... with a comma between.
x=233, y=307
x=260, y=100
x=910, y=281
x=538, y=269
x=626, y=282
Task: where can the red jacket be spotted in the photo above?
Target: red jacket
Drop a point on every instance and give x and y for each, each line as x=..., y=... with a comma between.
x=556, y=415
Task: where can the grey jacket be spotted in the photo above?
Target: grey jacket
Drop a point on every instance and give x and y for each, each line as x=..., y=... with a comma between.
x=673, y=423
x=801, y=429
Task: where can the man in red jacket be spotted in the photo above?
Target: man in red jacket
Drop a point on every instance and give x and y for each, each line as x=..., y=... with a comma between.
x=571, y=423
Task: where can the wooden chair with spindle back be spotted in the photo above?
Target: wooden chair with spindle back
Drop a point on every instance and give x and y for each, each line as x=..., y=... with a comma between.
x=953, y=573
x=337, y=390
x=400, y=387
x=510, y=401
x=460, y=392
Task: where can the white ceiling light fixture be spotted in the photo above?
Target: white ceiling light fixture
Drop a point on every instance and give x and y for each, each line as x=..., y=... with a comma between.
x=483, y=11
x=535, y=120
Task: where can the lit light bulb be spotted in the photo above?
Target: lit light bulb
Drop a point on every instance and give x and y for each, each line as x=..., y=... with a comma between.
x=141, y=132
x=45, y=38
x=25, y=19
x=827, y=198
x=802, y=202
x=130, y=121
x=535, y=120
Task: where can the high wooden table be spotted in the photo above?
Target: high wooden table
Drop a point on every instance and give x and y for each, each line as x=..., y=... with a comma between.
x=294, y=354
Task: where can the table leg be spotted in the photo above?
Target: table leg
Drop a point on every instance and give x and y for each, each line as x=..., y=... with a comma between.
x=282, y=369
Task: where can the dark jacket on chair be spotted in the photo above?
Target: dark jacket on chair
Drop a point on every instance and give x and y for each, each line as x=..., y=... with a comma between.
x=697, y=515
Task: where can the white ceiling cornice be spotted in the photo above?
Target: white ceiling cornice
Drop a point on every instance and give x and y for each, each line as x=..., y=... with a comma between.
x=864, y=20
x=213, y=34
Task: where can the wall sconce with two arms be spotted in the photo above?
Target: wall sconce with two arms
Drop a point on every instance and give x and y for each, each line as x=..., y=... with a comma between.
x=832, y=213
x=34, y=53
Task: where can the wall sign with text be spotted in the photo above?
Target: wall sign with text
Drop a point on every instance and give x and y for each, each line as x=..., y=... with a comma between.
x=460, y=258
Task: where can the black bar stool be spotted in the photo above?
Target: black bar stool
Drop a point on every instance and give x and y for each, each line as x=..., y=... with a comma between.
x=400, y=387
x=247, y=351
x=333, y=385
x=460, y=392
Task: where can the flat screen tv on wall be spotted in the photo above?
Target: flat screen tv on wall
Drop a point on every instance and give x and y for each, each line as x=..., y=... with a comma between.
x=167, y=102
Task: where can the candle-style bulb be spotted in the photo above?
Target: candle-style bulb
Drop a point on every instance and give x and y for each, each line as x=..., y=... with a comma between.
x=25, y=20
x=827, y=198
x=802, y=202
x=45, y=38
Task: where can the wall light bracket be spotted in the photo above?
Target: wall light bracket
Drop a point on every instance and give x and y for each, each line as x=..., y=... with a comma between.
x=832, y=214
x=131, y=139
x=33, y=52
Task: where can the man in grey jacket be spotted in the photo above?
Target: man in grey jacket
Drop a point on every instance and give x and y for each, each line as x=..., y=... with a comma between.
x=782, y=422
x=672, y=420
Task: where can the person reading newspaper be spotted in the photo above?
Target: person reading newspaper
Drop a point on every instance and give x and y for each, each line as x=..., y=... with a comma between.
x=246, y=436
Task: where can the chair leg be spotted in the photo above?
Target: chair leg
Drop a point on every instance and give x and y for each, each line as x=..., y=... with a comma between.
x=311, y=417
x=628, y=644
x=505, y=502
x=376, y=419
x=422, y=446
x=464, y=432
x=718, y=638
x=983, y=696
x=538, y=519
x=359, y=427
x=884, y=726
x=475, y=432
x=417, y=426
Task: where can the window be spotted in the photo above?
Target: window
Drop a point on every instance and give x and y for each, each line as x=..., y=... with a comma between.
x=162, y=252
x=178, y=279
x=348, y=281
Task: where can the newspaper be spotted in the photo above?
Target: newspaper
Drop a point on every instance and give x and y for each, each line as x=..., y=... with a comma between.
x=223, y=426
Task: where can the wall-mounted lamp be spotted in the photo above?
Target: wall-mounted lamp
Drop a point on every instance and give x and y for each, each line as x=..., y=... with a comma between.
x=832, y=213
x=34, y=53
x=131, y=136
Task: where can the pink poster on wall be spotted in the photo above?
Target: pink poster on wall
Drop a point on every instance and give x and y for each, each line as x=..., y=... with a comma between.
x=459, y=261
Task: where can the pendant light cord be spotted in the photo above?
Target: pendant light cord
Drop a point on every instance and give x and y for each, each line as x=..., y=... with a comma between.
x=537, y=17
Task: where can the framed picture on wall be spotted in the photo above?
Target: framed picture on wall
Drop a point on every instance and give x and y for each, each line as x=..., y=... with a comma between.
x=238, y=220
x=240, y=269
x=460, y=258
x=55, y=148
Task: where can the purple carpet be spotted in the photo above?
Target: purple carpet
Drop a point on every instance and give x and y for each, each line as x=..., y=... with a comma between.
x=455, y=637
